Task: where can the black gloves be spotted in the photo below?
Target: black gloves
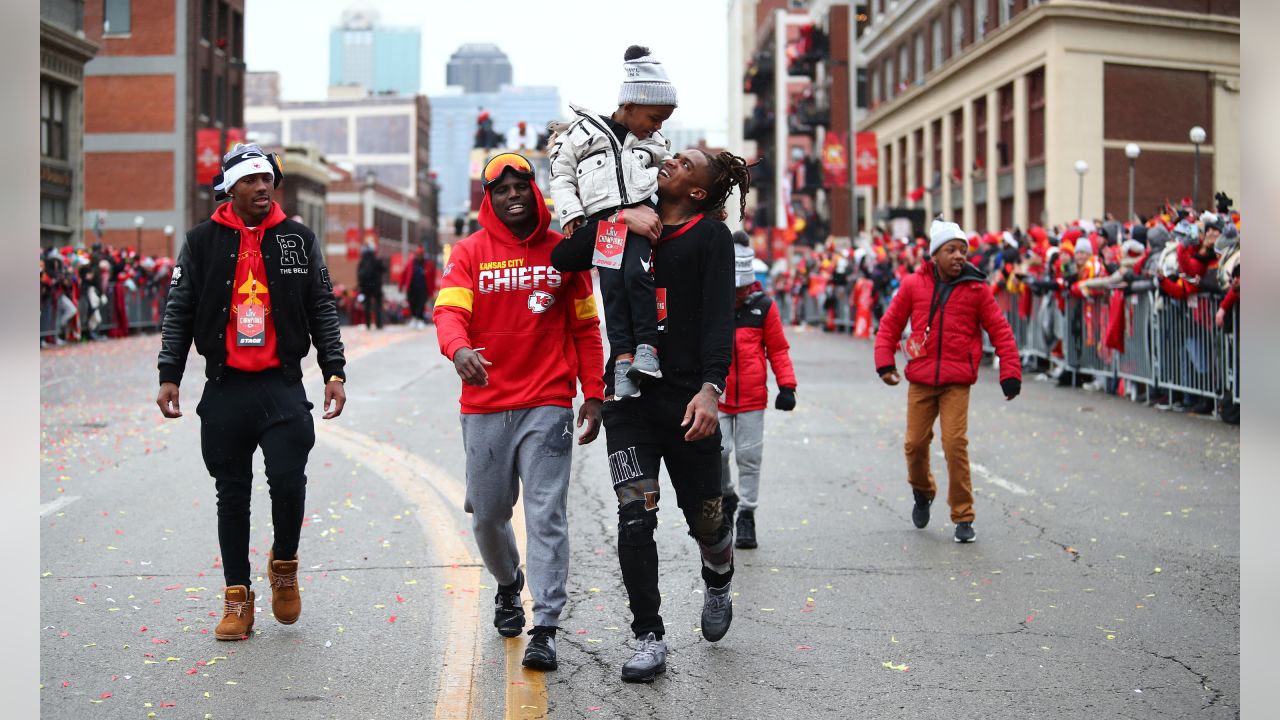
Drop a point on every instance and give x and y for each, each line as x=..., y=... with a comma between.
x=1011, y=387
x=786, y=399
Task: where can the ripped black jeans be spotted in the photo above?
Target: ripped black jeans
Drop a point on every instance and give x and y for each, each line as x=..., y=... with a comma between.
x=239, y=414
x=640, y=433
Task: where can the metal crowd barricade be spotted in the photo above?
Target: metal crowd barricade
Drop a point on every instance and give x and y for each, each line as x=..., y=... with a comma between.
x=1135, y=363
x=1033, y=342
x=1233, y=355
x=1095, y=316
x=1190, y=352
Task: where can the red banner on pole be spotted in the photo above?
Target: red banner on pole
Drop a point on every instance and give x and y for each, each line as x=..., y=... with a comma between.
x=353, y=243
x=208, y=159
x=835, y=160
x=866, y=159
x=234, y=135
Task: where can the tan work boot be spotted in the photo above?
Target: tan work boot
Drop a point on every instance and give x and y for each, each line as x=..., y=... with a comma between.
x=286, y=603
x=237, y=617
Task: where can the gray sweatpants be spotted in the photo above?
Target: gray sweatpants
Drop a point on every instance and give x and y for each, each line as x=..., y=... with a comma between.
x=532, y=446
x=743, y=435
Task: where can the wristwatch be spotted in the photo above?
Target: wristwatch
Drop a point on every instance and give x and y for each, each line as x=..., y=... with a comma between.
x=719, y=390
x=335, y=377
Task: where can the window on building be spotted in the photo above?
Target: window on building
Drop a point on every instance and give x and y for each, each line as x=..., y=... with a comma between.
x=328, y=134
x=206, y=92
x=237, y=35
x=53, y=210
x=220, y=100
x=223, y=12
x=904, y=67
x=53, y=120
x=1006, y=11
x=1035, y=115
x=979, y=20
x=237, y=106
x=875, y=86
x=957, y=29
x=117, y=16
x=936, y=33
x=206, y=20
x=380, y=134
x=919, y=64
x=889, y=78
x=862, y=87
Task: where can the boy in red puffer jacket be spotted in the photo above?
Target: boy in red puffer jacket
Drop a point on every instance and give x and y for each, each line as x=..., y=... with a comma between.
x=758, y=339
x=948, y=305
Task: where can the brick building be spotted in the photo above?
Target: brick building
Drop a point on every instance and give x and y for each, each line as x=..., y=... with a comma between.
x=983, y=108
x=812, y=90
x=63, y=54
x=361, y=207
x=165, y=70
x=387, y=135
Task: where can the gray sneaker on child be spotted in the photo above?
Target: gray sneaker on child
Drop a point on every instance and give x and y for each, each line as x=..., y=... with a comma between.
x=623, y=385
x=645, y=365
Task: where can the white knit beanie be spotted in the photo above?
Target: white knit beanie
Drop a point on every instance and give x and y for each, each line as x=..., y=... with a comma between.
x=941, y=232
x=646, y=81
x=1084, y=245
x=744, y=271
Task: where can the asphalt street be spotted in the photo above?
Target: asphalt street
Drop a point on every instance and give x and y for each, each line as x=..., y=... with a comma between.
x=1104, y=582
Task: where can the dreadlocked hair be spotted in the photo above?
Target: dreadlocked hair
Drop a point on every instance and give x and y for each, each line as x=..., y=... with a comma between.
x=727, y=170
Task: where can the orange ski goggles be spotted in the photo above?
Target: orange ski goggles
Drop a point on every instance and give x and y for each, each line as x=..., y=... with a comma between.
x=499, y=164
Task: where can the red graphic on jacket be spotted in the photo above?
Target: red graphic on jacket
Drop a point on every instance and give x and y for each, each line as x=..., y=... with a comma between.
x=251, y=331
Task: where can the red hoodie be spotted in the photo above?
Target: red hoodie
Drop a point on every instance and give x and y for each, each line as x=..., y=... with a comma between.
x=539, y=327
x=249, y=295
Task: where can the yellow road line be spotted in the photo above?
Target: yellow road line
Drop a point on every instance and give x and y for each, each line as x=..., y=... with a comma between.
x=425, y=484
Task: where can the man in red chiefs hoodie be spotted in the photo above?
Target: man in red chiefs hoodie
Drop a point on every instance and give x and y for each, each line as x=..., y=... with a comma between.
x=758, y=341
x=949, y=305
x=521, y=335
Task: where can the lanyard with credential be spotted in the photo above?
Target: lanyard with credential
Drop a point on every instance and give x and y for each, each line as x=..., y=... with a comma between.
x=683, y=228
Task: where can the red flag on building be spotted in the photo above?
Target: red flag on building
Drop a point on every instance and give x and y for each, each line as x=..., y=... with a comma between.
x=835, y=160
x=234, y=135
x=208, y=159
x=866, y=159
x=353, y=243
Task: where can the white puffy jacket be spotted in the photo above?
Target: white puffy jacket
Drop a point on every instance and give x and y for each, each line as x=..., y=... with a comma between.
x=591, y=171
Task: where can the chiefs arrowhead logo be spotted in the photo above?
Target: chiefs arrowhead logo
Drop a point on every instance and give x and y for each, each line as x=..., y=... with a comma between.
x=540, y=300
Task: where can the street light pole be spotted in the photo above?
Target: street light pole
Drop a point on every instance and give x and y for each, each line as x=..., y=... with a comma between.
x=1082, y=167
x=1132, y=151
x=1198, y=136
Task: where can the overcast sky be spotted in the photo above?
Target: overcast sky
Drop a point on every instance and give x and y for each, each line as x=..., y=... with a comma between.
x=575, y=45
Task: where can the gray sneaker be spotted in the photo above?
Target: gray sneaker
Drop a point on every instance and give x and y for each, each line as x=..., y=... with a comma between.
x=717, y=612
x=648, y=662
x=623, y=385
x=645, y=364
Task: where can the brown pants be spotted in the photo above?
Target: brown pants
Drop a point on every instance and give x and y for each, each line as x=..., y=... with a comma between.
x=926, y=403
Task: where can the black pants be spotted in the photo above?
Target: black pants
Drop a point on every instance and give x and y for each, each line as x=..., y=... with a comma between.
x=238, y=415
x=373, y=308
x=630, y=305
x=418, y=303
x=641, y=432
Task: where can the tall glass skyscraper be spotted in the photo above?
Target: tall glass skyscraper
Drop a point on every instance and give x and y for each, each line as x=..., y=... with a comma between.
x=377, y=58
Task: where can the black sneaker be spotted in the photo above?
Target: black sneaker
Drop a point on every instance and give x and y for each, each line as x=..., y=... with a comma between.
x=920, y=513
x=508, y=613
x=649, y=660
x=541, y=652
x=717, y=612
x=744, y=530
x=965, y=533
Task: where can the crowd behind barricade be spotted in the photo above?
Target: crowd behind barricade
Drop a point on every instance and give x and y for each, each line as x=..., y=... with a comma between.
x=106, y=292
x=1146, y=309
x=99, y=291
